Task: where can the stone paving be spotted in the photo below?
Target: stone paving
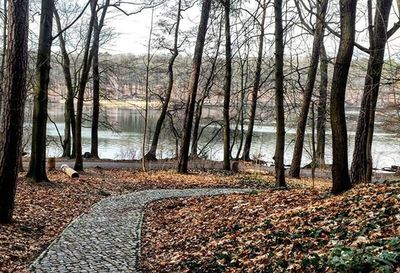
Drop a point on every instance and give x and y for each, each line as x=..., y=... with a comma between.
x=107, y=238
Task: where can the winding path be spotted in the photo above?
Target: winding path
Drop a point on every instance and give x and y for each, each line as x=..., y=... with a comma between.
x=107, y=239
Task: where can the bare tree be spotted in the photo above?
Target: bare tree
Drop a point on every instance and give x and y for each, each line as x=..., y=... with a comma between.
x=15, y=88
x=151, y=154
x=193, y=84
x=256, y=84
x=147, y=92
x=361, y=167
x=321, y=118
x=37, y=165
x=279, y=97
x=69, y=111
x=311, y=76
x=3, y=53
x=340, y=170
x=87, y=60
x=227, y=84
x=97, y=27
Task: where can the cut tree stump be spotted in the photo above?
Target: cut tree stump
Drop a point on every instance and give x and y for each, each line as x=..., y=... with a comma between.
x=51, y=163
x=69, y=171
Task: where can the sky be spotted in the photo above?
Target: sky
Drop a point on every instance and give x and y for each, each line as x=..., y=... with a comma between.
x=133, y=30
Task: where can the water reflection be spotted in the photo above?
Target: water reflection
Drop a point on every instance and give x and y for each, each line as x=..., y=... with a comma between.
x=125, y=142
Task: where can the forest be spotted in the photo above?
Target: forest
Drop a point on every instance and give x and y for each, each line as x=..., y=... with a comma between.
x=200, y=136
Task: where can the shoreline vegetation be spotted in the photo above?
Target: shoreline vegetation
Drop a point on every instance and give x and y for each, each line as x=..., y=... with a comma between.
x=128, y=103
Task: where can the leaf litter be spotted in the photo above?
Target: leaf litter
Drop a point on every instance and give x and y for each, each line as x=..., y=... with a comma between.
x=295, y=230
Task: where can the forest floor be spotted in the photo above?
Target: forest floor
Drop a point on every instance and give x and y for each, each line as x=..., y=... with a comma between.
x=42, y=211
x=295, y=230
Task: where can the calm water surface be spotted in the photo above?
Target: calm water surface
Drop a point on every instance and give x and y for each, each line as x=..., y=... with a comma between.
x=126, y=141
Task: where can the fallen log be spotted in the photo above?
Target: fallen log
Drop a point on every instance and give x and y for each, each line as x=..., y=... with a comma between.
x=69, y=171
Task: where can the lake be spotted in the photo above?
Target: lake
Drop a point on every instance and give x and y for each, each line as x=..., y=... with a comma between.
x=126, y=141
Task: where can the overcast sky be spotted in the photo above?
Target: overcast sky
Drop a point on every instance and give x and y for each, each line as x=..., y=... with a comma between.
x=133, y=31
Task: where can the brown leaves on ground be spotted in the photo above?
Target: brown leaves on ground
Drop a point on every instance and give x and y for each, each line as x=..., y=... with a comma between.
x=42, y=211
x=297, y=230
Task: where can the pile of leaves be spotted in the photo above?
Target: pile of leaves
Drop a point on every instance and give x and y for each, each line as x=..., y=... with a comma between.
x=296, y=230
x=43, y=210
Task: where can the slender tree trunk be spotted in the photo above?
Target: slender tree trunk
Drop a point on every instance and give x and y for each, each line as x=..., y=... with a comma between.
x=209, y=84
x=14, y=100
x=244, y=78
x=87, y=60
x=227, y=86
x=97, y=27
x=312, y=73
x=146, y=110
x=152, y=153
x=3, y=55
x=193, y=85
x=256, y=88
x=279, y=96
x=321, y=119
x=69, y=111
x=37, y=165
x=94, y=148
x=361, y=167
x=340, y=170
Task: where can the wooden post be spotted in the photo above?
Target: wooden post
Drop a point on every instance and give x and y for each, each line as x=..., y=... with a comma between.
x=51, y=163
x=69, y=171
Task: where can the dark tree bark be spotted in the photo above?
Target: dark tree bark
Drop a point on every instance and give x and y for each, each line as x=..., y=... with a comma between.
x=279, y=97
x=361, y=167
x=227, y=85
x=87, y=60
x=193, y=85
x=69, y=111
x=14, y=100
x=37, y=165
x=98, y=25
x=340, y=170
x=256, y=88
x=152, y=153
x=321, y=119
x=308, y=91
x=3, y=55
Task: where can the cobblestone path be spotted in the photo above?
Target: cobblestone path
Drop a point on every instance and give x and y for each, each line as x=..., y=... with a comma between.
x=107, y=238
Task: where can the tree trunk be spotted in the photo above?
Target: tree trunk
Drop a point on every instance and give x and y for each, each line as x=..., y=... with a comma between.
x=244, y=78
x=152, y=153
x=193, y=84
x=227, y=86
x=97, y=27
x=256, y=88
x=361, y=167
x=340, y=170
x=321, y=119
x=312, y=73
x=37, y=165
x=207, y=88
x=3, y=55
x=87, y=60
x=147, y=91
x=14, y=101
x=69, y=111
x=279, y=94
x=94, y=148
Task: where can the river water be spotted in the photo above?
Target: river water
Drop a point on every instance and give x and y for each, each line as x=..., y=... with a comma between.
x=126, y=141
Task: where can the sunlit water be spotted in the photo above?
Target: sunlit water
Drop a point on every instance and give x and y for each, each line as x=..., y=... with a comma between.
x=126, y=141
